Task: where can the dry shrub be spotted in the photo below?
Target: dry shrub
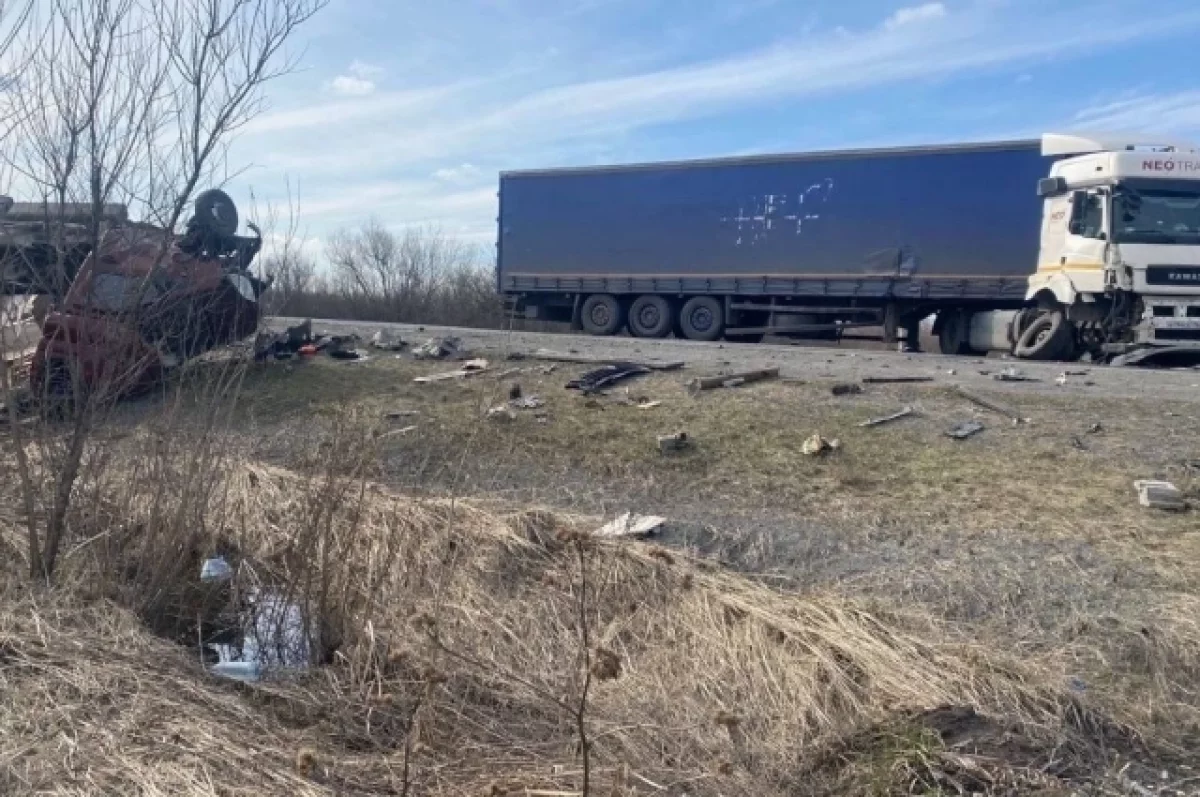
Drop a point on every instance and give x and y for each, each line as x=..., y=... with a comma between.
x=452, y=635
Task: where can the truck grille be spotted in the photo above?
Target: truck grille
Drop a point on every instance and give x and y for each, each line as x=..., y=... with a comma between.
x=1173, y=275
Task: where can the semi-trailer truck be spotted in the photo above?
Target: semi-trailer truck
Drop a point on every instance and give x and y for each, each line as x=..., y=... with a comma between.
x=1051, y=249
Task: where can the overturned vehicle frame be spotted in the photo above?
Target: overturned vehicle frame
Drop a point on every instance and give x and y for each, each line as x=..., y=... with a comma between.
x=145, y=300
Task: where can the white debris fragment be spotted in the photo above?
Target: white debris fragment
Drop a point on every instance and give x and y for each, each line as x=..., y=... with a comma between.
x=1159, y=495
x=631, y=525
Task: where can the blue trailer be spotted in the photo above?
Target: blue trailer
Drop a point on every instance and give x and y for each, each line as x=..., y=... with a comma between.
x=809, y=244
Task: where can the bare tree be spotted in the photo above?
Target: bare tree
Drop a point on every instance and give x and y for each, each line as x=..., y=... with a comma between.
x=121, y=100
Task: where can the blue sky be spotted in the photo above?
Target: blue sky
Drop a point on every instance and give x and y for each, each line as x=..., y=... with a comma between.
x=406, y=111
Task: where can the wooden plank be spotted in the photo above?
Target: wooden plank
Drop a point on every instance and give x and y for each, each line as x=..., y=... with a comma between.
x=991, y=405
x=897, y=380
x=587, y=359
x=733, y=380
x=895, y=416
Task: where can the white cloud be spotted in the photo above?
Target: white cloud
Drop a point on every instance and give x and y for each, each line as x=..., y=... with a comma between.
x=365, y=71
x=1177, y=112
x=350, y=86
x=358, y=82
x=459, y=175
x=907, y=16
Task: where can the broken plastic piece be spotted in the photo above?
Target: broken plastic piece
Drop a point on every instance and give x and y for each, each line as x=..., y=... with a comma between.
x=631, y=525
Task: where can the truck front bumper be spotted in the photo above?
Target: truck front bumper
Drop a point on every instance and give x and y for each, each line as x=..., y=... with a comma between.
x=1169, y=321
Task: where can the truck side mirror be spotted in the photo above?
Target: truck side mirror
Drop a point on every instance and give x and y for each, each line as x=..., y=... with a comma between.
x=1051, y=186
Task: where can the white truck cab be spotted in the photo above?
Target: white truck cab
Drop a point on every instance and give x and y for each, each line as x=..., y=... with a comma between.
x=1119, y=261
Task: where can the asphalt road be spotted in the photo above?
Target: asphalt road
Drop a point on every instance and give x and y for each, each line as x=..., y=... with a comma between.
x=813, y=362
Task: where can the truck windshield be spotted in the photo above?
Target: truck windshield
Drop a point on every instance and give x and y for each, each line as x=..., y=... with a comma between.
x=1156, y=212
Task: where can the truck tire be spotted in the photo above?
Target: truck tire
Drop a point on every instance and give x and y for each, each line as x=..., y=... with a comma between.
x=1048, y=337
x=954, y=335
x=216, y=212
x=650, y=317
x=702, y=318
x=602, y=314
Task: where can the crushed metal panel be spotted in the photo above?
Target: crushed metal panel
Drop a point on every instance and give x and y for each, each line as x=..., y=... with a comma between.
x=631, y=525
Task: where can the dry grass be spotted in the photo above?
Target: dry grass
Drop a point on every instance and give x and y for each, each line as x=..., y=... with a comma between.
x=467, y=620
x=961, y=626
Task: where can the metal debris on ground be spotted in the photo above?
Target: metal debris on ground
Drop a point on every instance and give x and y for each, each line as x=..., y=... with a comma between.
x=1078, y=443
x=732, y=380
x=890, y=380
x=606, y=375
x=439, y=348
x=396, y=432
x=846, y=389
x=895, y=416
x=648, y=405
x=1012, y=374
x=469, y=368
x=526, y=403
x=672, y=443
x=817, y=445
x=346, y=354
x=501, y=413
x=514, y=391
x=575, y=357
x=962, y=431
x=396, y=415
x=991, y=405
x=1159, y=495
x=386, y=340
x=631, y=525
x=1095, y=428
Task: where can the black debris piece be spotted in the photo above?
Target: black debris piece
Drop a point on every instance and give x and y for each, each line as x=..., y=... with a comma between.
x=606, y=375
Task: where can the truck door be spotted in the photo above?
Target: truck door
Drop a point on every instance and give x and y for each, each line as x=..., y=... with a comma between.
x=1083, y=249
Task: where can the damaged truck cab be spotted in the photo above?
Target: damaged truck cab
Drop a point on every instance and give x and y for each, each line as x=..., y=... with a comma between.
x=1119, y=262
x=145, y=300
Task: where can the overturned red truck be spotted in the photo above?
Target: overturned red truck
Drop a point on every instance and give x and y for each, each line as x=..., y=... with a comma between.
x=145, y=300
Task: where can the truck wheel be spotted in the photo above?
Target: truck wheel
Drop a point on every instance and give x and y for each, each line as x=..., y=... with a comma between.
x=1048, y=337
x=601, y=314
x=954, y=337
x=216, y=212
x=650, y=317
x=702, y=318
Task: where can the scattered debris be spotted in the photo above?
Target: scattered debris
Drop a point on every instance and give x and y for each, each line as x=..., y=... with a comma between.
x=396, y=415
x=469, y=368
x=895, y=416
x=215, y=569
x=1159, y=495
x=501, y=413
x=1095, y=428
x=549, y=369
x=511, y=372
x=951, y=371
x=526, y=403
x=387, y=340
x=396, y=432
x=885, y=380
x=582, y=359
x=1076, y=373
x=648, y=405
x=962, y=431
x=817, y=445
x=732, y=380
x=439, y=348
x=672, y=443
x=346, y=354
x=608, y=374
x=631, y=525
x=991, y=405
x=514, y=391
x=846, y=389
x=1013, y=374
x=1077, y=443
